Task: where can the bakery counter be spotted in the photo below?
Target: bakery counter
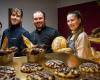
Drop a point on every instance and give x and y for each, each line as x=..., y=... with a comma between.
x=69, y=60
x=18, y=61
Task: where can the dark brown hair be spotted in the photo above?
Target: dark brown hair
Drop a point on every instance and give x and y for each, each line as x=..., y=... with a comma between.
x=80, y=28
x=16, y=10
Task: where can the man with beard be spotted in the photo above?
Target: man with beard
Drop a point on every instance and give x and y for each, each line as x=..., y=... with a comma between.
x=15, y=31
x=43, y=35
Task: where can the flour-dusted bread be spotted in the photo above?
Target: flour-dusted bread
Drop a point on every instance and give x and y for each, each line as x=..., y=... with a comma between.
x=59, y=43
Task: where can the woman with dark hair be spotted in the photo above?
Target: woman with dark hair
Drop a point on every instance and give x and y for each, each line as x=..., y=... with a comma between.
x=15, y=31
x=78, y=39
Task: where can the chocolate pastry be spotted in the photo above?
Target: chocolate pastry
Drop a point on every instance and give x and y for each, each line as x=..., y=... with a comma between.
x=67, y=72
x=40, y=76
x=7, y=51
x=31, y=67
x=54, y=64
x=89, y=67
x=7, y=73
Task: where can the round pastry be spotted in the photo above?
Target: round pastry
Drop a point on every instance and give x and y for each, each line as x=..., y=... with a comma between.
x=13, y=78
x=89, y=67
x=40, y=76
x=59, y=43
x=10, y=71
x=5, y=51
x=54, y=64
x=31, y=67
x=7, y=72
x=2, y=72
x=67, y=72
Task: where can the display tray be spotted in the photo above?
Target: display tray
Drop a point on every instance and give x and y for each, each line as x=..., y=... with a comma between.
x=68, y=60
x=94, y=40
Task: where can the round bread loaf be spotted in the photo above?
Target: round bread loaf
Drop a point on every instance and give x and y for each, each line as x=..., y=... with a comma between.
x=59, y=43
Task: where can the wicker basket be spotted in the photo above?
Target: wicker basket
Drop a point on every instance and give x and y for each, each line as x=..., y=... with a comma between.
x=31, y=57
x=7, y=58
x=6, y=55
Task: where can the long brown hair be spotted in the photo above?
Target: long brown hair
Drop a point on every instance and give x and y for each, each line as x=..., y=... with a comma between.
x=80, y=28
x=10, y=11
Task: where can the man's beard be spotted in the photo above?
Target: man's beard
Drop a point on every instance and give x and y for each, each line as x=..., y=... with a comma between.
x=39, y=28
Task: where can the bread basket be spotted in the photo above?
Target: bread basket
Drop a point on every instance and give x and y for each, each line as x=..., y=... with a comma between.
x=34, y=54
x=6, y=56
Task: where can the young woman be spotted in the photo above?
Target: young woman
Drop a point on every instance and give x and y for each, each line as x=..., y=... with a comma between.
x=78, y=39
x=15, y=31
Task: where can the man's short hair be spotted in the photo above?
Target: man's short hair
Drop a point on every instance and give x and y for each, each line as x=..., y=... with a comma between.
x=40, y=12
x=17, y=11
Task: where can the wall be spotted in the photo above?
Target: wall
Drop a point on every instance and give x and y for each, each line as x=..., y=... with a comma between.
x=62, y=3
x=90, y=15
x=29, y=6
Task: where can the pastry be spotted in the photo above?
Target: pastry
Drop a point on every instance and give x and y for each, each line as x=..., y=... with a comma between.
x=53, y=64
x=40, y=76
x=89, y=67
x=31, y=67
x=67, y=72
x=7, y=73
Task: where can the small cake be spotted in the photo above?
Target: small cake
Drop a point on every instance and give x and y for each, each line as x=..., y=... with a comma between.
x=7, y=73
x=40, y=76
x=31, y=67
x=53, y=64
x=67, y=72
x=89, y=67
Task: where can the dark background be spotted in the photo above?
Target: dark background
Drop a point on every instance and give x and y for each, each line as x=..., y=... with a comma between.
x=91, y=18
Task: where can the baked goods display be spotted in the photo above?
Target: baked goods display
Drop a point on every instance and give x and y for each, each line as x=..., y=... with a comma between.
x=61, y=70
x=59, y=43
x=67, y=72
x=53, y=64
x=89, y=76
x=31, y=67
x=7, y=73
x=40, y=75
x=34, y=54
x=89, y=67
x=56, y=67
x=6, y=55
x=96, y=32
x=34, y=50
x=7, y=50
